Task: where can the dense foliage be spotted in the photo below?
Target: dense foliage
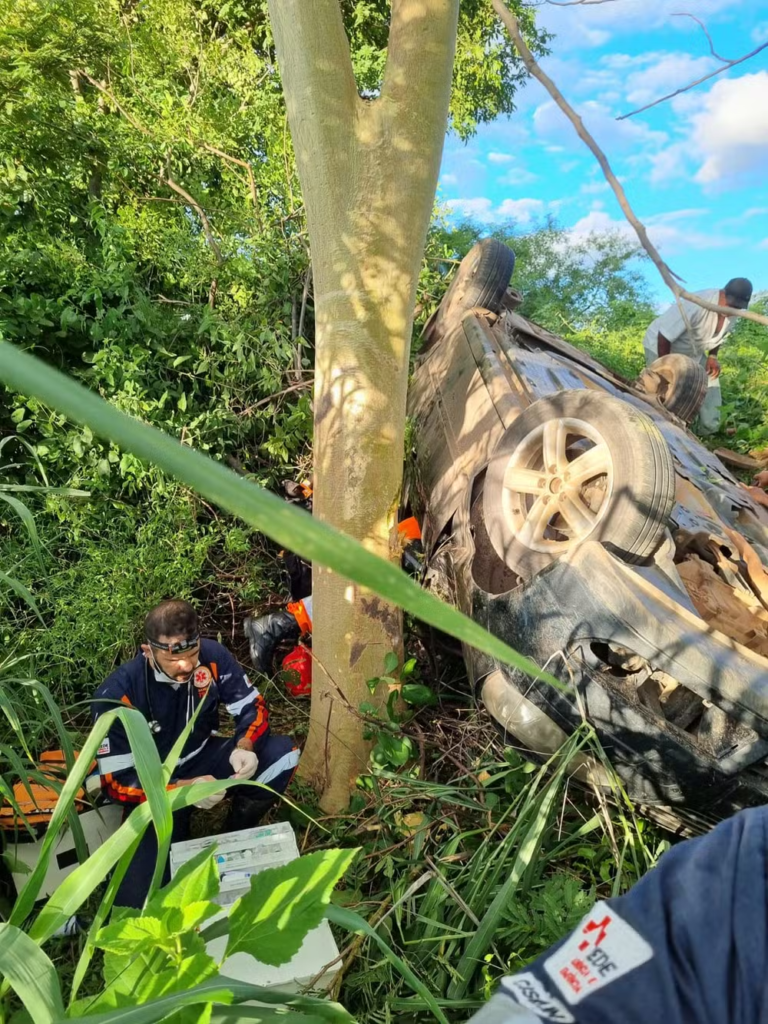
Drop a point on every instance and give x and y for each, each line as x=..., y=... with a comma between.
x=152, y=243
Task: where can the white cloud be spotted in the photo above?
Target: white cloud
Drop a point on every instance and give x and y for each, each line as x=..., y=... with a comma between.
x=614, y=136
x=760, y=32
x=593, y=188
x=517, y=176
x=670, y=163
x=749, y=214
x=668, y=72
x=474, y=209
x=592, y=24
x=731, y=132
x=449, y=179
x=500, y=158
x=669, y=231
x=522, y=211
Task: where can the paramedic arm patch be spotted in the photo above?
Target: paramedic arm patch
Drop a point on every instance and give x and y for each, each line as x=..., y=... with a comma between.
x=602, y=949
x=531, y=994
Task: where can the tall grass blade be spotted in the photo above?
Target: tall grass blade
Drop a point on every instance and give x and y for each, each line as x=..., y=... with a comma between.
x=354, y=923
x=8, y=708
x=101, y=915
x=218, y=990
x=31, y=975
x=533, y=821
x=30, y=448
x=54, y=711
x=23, y=592
x=28, y=520
x=81, y=883
x=150, y=774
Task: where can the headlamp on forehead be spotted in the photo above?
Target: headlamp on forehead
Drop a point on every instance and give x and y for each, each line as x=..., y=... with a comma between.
x=181, y=647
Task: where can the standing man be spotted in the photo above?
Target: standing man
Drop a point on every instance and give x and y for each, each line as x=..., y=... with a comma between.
x=699, y=339
x=174, y=673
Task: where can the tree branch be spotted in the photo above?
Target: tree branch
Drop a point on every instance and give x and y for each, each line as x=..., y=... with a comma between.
x=513, y=27
x=207, y=229
x=303, y=384
x=692, y=85
x=318, y=83
x=145, y=131
x=700, y=23
x=422, y=36
x=240, y=163
x=113, y=100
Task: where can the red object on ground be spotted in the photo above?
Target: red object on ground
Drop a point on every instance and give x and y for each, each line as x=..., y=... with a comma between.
x=297, y=671
x=410, y=529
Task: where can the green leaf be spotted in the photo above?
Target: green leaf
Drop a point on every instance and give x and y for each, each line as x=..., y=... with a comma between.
x=408, y=668
x=289, y=526
x=30, y=974
x=285, y=903
x=417, y=694
x=181, y=920
x=396, y=750
x=132, y=935
x=391, y=661
x=196, y=880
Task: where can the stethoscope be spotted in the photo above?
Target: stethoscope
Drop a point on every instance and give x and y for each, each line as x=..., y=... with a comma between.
x=154, y=726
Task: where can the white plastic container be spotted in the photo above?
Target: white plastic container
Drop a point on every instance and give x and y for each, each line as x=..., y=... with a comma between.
x=98, y=826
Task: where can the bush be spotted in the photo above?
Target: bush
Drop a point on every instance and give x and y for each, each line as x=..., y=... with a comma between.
x=108, y=562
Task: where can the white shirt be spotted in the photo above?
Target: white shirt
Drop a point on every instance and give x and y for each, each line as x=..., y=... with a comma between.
x=701, y=338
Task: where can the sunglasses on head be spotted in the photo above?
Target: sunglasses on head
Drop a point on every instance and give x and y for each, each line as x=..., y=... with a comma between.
x=178, y=648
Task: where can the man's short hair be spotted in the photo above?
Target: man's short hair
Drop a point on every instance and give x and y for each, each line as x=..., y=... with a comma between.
x=739, y=290
x=172, y=618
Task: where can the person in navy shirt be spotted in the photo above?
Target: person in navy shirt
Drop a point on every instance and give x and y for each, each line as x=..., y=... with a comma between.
x=174, y=673
x=688, y=944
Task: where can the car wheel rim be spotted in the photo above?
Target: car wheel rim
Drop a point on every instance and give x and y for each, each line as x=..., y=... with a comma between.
x=558, y=485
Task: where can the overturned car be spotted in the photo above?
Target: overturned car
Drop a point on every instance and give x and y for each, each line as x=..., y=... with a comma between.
x=575, y=515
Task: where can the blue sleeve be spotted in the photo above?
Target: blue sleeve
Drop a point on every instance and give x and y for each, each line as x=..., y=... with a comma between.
x=117, y=767
x=241, y=699
x=687, y=945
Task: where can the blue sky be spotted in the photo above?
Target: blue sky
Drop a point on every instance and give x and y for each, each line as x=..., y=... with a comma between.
x=695, y=168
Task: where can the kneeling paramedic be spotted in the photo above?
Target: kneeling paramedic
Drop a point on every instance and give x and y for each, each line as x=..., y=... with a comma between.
x=171, y=676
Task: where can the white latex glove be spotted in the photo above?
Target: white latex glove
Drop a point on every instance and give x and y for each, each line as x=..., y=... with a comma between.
x=244, y=762
x=207, y=802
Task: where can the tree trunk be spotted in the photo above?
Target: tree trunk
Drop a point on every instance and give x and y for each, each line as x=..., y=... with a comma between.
x=368, y=169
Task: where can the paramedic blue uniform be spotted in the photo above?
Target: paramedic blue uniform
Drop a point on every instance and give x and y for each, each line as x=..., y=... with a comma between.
x=687, y=945
x=168, y=708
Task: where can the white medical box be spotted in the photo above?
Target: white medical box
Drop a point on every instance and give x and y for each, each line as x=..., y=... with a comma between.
x=238, y=856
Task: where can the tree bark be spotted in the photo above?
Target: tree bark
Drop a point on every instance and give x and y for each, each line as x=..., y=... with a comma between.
x=368, y=170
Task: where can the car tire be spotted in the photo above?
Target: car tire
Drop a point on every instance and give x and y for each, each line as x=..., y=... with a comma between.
x=679, y=383
x=539, y=503
x=481, y=280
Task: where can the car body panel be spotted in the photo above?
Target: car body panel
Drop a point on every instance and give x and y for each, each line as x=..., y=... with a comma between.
x=476, y=376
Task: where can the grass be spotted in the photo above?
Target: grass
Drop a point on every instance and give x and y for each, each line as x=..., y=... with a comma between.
x=475, y=865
